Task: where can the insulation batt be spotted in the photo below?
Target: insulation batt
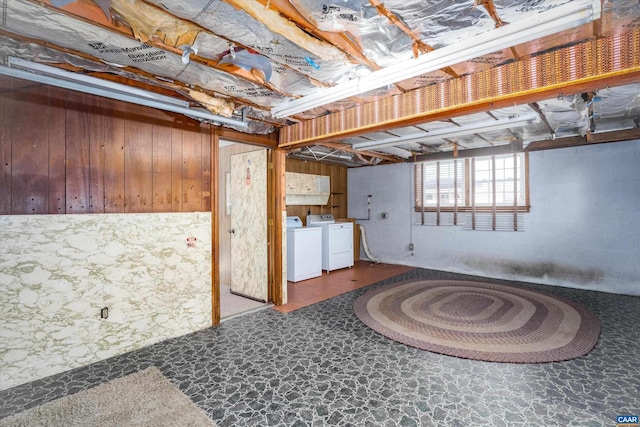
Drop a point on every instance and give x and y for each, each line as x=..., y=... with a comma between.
x=32, y=20
x=233, y=24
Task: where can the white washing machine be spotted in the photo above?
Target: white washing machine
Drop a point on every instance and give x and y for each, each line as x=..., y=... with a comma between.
x=337, y=241
x=304, y=251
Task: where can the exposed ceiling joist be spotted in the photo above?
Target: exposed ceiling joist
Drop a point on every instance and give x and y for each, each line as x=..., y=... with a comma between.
x=418, y=45
x=549, y=22
x=245, y=57
x=339, y=39
x=349, y=149
x=576, y=141
x=427, y=104
x=279, y=25
x=515, y=147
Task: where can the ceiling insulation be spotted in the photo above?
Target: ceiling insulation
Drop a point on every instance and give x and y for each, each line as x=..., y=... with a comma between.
x=149, y=23
x=310, y=57
x=242, y=58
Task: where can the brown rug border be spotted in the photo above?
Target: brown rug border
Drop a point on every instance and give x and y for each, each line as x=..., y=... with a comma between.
x=589, y=323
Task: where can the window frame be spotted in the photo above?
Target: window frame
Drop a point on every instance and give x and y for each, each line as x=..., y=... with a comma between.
x=469, y=205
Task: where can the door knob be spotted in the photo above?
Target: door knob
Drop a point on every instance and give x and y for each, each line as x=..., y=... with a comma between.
x=232, y=231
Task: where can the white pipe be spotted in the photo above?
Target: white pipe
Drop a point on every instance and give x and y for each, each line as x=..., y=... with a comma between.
x=363, y=237
x=368, y=210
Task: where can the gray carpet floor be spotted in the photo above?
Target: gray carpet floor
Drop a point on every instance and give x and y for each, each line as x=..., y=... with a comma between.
x=321, y=366
x=232, y=304
x=144, y=399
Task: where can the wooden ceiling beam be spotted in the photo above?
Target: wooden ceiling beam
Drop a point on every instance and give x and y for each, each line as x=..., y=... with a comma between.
x=495, y=150
x=277, y=24
x=175, y=88
x=159, y=28
x=265, y=141
x=340, y=40
x=163, y=88
x=540, y=94
x=490, y=7
x=349, y=149
x=592, y=138
x=141, y=18
x=86, y=12
x=418, y=45
x=519, y=82
x=547, y=144
x=536, y=107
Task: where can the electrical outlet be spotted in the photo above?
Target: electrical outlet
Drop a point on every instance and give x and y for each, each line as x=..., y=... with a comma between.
x=410, y=246
x=104, y=312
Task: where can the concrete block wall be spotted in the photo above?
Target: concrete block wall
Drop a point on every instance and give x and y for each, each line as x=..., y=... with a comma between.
x=583, y=230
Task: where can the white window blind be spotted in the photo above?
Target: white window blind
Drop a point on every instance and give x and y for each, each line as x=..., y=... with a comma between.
x=443, y=191
x=492, y=192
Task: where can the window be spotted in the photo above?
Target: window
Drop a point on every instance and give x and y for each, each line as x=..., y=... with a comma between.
x=480, y=193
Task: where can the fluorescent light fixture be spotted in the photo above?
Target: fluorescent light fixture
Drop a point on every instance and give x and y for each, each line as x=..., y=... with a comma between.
x=392, y=141
x=73, y=81
x=395, y=151
x=451, y=131
x=536, y=26
x=46, y=70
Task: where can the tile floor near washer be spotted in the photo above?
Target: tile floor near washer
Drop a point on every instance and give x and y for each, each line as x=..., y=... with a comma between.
x=320, y=365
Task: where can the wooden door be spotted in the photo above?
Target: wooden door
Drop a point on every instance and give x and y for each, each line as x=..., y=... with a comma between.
x=249, y=249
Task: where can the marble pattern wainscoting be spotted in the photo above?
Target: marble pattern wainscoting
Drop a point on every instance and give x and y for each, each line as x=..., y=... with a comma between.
x=58, y=271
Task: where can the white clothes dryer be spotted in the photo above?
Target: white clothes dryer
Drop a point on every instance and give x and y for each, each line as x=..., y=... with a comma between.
x=337, y=241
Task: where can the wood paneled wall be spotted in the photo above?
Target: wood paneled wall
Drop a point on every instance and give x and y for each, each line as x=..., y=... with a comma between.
x=337, y=204
x=67, y=152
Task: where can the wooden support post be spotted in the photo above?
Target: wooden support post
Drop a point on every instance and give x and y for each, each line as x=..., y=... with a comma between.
x=215, y=230
x=278, y=290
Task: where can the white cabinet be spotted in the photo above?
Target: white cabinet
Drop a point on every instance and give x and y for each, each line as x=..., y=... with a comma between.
x=306, y=189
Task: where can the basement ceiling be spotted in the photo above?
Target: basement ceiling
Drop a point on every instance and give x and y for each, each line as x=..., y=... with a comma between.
x=254, y=60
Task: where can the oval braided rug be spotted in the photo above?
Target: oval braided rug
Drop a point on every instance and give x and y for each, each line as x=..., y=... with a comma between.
x=482, y=321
